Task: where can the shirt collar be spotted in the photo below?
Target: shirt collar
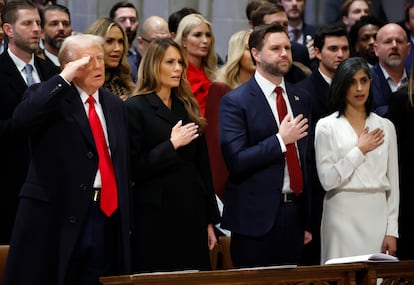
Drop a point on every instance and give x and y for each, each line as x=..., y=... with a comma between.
x=299, y=27
x=268, y=87
x=52, y=57
x=327, y=79
x=84, y=96
x=20, y=64
x=388, y=77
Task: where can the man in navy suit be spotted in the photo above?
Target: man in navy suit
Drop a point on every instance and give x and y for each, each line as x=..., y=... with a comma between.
x=268, y=222
x=332, y=46
x=389, y=74
x=63, y=234
x=298, y=30
x=21, y=24
x=295, y=11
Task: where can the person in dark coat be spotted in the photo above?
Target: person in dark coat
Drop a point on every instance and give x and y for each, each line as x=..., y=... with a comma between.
x=63, y=232
x=401, y=113
x=14, y=148
x=332, y=47
x=174, y=203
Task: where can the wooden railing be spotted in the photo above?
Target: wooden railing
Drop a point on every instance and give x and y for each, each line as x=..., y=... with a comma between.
x=341, y=274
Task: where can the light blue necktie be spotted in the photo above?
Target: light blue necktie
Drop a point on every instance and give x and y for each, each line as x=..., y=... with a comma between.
x=29, y=77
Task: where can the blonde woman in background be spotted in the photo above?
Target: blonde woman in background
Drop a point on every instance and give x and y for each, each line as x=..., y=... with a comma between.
x=117, y=70
x=195, y=36
x=238, y=69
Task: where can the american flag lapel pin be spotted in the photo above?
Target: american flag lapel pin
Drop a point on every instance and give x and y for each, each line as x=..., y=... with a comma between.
x=296, y=98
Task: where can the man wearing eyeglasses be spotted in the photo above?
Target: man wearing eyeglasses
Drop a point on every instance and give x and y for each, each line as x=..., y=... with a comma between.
x=153, y=27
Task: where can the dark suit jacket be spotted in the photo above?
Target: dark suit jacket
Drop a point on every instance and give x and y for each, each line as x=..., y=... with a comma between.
x=307, y=30
x=134, y=59
x=300, y=53
x=255, y=160
x=381, y=91
x=316, y=89
x=14, y=151
x=401, y=113
x=56, y=196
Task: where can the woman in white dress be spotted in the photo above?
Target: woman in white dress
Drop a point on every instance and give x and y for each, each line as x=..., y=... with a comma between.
x=357, y=163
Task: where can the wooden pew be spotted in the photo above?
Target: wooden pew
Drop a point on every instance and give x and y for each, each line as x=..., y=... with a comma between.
x=4, y=250
x=340, y=274
x=392, y=273
x=329, y=274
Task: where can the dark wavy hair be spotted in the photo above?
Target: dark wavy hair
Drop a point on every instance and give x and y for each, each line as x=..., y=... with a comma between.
x=342, y=81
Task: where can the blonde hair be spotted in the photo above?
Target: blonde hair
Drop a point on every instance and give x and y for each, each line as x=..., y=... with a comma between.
x=186, y=25
x=149, y=78
x=101, y=27
x=229, y=72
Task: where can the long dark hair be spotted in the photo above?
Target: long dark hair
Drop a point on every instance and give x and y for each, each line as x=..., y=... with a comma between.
x=342, y=80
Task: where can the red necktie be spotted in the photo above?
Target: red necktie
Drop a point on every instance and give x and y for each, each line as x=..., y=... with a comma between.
x=109, y=196
x=295, y=172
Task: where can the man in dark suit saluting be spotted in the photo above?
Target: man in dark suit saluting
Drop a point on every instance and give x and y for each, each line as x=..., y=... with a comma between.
x=72, y=224
x=263, y=134
x=21, y=24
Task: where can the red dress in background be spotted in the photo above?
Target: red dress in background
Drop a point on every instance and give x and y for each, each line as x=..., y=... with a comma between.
x=199, y=83
x=218, y=167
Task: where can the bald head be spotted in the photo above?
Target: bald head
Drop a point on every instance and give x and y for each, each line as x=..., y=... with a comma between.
x=389, y=29
x=391, y=46
x=153, y=27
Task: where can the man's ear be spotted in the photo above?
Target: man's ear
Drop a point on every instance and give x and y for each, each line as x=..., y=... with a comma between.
x=8, y=30
x=255, y=54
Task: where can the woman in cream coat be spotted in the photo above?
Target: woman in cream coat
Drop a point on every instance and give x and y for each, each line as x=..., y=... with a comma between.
x=357, y=163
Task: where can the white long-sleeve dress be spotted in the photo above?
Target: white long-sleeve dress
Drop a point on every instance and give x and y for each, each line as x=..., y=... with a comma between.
x=362, y=199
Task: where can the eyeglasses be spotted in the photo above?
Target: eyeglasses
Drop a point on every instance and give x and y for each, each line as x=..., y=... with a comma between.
x=148, y=41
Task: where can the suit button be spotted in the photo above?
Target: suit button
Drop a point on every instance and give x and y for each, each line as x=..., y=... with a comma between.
x=82, y=187
x=89, y=154
x=72, y=220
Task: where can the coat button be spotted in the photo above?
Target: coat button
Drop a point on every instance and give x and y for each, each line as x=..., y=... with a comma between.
x=89, y=154
x=82, y=187
x=72, y=220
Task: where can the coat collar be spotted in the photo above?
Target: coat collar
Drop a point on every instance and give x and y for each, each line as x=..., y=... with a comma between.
x=172, y=116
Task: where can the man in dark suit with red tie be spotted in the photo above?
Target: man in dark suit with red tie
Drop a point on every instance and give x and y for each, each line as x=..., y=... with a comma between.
x=72, y=224
x=21, y=24
x=266, y=199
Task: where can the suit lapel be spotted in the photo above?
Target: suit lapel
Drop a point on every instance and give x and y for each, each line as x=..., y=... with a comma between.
x=294, y=100
x=162, y=111
x=110, y=119
x=13, y=76
x=76, y=109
